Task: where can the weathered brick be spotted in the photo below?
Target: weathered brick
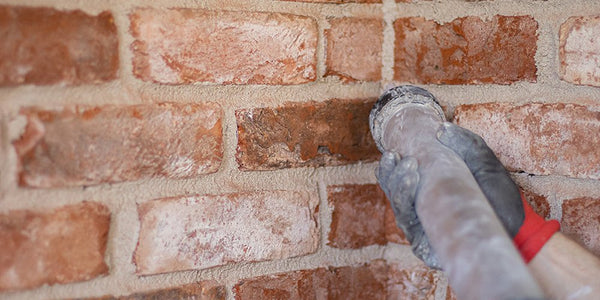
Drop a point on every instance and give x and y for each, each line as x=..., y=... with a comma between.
x=46, y=46
x=466, y=51
x=581, y=221
x=543, y=139
x=177, y=46
x=61, y=246
x=205, y=290
x=580, y=50
x=92, y=145
x=354, y=49
x=311, y=134
x=204, y=231
x=538, y=202
x=361, y=217
x=360, y=282
x=412, y=283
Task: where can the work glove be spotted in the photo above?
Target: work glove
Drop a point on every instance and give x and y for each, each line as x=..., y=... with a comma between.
x=529, y=231
x=399, y=180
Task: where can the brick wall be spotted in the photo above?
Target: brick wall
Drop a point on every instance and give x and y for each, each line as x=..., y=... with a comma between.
x=220, y=149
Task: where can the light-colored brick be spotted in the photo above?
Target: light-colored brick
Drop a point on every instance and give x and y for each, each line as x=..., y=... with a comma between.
x=330, y=133
x=417, y=282
x=467, y=50
x=60, y=246
x=362, y=216
x=46, y=46
x=93, y=145
x=178, y=46
x=199, y=232
x=542, y=139
x=354, y=49
x=580, y=50
x=337, y=1
x=581, y=221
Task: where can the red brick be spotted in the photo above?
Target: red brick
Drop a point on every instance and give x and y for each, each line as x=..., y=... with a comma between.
x=354, y=49
x=178, y=46
x=412, y=283
x=360, y=282
x=92, y=145
x=46, y=46
x=581, y=221
x=205, y=290
x=580, y=50
x=543, y=139
x=332, y=133
x=538, y=202
x=61, y=246
x=466, y=51
x=198, y=232
x=361, y=217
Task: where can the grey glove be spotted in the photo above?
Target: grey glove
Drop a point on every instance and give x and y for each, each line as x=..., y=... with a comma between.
x=493, y=179
x=399, y=180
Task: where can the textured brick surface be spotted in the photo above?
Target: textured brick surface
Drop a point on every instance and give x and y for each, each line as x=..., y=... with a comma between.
x=204, y=290
x=580, y=50
x=46, y=46
x=178, y=46
x=539, y=203
x=312, y=134
x=361, y=216
x=466, y=51
x=60, y=246
x=198, y=232
x=581, y=221
x=360, y=282
x=92, y=145
x=354, y=49
x=412, y=283
x=537, y=138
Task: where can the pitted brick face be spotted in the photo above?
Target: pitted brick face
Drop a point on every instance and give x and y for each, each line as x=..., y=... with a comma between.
x=580, y=50
x=45, y=46
x=93, y=145
x=354, y=49
x=537, y=138
x=61, y=246
x=332, y=133
x=179, y=46
x=466, y=51
x=581, y=221
x=204, y=290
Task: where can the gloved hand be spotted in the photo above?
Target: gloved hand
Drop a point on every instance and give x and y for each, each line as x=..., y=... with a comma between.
x=399, y=180
x=529, y=231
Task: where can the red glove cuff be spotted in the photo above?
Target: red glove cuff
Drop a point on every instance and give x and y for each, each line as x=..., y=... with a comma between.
x=534, y=232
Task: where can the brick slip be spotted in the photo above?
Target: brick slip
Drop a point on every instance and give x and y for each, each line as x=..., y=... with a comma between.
x=204, y=231
x=46, y=46
x=580, y=50
x=415, y=283
x=60, y=246
x=92, y=145
x=359, y=282
x=362, y=216
x=354, y=49
x=205, y=290
x=543, y=139
x=178, y=46
x=581, y=221
x=313, y=134
x=466, y=51
x=538, y=202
